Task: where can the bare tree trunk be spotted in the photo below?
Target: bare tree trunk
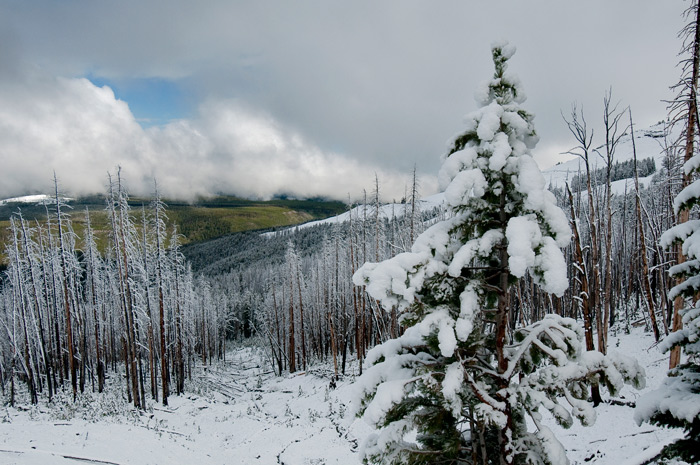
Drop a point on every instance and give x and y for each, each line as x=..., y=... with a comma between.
x=66, y=298
x=178, y=330
x=54, y=358
x=20, y=302
x=54, y=297
x=580, y=132
x=643, y=246
x=292, y=346
x=160, y=252
x=131, y=333
x=277, y=331
x=301, y=319
x=93, y=295
x=125, y=291
x=376, y=217
x=582, y=276
x=45, y=355
x=334, y=344
x=414, y=199
x=355, y=309
x=690, y=128
x=611, y=120
x=125, y=348
x=595, y=289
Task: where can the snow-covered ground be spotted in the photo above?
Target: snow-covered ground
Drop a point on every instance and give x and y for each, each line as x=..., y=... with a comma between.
x=615, y=438
x=38, y=199
x=238, y=412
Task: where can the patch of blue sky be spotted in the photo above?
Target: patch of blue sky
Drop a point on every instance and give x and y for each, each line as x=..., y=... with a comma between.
x=153, y=101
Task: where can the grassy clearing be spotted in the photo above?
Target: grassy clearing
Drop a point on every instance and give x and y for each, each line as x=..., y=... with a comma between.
x=200, y=223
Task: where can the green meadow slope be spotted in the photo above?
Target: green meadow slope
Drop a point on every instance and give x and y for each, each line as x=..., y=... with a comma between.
x=201, y=220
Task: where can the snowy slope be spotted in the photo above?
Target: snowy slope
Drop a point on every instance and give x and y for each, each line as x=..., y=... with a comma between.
x=615, y=438
x=386, y=211
x=234, y=413
x=648, y=142
x=38, y=199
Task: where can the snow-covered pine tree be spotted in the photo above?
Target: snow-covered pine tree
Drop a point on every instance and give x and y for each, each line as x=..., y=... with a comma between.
x=455, y=388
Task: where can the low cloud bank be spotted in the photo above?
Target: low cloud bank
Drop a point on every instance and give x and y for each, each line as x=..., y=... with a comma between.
x=82, y=131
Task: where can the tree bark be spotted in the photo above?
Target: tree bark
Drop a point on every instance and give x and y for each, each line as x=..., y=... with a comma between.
x=684, y=215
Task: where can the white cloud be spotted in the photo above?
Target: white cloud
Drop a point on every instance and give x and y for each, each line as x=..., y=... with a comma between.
x=82, y=131
x=383, y=82
x=351, y=87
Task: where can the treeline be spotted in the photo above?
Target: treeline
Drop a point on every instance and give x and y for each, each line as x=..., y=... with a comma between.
x=619, y=171
x=73, y=314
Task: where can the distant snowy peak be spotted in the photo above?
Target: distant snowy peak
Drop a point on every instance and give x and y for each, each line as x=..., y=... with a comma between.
x=32, y=199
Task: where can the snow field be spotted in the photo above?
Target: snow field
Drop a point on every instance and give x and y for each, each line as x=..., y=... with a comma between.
x=615, y=438
x=234, y=413
x=238, y=412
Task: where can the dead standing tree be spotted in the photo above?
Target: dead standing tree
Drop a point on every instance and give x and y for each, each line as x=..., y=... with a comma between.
x=66, y=295
x=611, y=125
x=646, y=285
x=683, y=111
x=584, y=138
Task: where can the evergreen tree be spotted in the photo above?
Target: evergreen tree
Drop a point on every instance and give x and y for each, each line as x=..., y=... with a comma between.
x=455, y=388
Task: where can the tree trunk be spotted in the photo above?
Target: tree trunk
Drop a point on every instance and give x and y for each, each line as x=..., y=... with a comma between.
x=66, y=298
x=683, y=215
x=643, y=246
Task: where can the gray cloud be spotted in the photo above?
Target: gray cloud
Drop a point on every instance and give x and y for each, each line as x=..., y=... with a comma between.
x=385, y=84
x=82, y=132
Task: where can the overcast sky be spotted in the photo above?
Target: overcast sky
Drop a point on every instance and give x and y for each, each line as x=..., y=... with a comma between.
x=306, y=98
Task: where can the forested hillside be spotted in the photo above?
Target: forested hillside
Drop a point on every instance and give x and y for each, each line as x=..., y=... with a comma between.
x=198, y=221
